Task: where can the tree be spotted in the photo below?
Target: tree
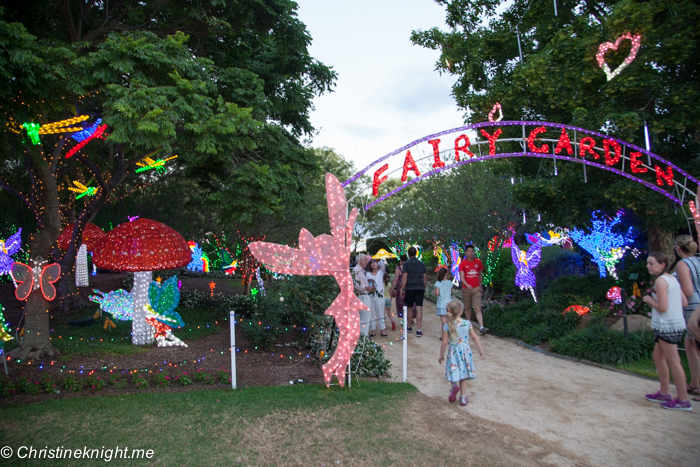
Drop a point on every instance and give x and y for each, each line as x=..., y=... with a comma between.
x=230, y=100
x=557, y=79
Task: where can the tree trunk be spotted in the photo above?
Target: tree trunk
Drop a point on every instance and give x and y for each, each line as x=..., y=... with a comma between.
x=661, y=240
x=37, y=340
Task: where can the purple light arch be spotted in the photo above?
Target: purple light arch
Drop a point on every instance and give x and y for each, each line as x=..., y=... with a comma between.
x=584, y=161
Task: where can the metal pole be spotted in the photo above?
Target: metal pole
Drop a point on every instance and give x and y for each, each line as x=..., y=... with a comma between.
x=405, y=343
x=555, y=8
x=519, y=48
x=624, y=311
x=232, y=325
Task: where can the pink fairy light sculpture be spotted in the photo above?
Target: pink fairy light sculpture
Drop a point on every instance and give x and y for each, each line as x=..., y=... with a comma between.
x=325, y=255
x=525, y=263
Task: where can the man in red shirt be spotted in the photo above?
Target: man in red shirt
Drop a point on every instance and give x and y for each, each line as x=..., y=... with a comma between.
x=471, y=274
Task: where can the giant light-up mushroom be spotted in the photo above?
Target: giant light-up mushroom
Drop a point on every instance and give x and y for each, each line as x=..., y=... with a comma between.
x=92, y=235
x=142, y=246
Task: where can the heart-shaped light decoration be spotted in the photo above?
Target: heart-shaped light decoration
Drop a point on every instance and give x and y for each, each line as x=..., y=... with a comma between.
x=605, y=46
x=497, y=106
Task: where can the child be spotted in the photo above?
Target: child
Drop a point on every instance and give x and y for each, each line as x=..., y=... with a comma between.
x=667, y=321
x=459, y=366
x=443, y=290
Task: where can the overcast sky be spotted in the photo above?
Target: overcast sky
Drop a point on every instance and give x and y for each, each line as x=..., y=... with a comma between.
x=387, y=93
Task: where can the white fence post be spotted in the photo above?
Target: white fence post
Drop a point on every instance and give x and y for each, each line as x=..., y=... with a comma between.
x=405, y=343
x=232, y=323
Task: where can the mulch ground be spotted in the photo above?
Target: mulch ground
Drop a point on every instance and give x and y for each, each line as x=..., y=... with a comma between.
x=211, y=353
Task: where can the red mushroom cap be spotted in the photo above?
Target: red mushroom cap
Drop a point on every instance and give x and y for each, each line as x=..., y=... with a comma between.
x=142, y=245
x=92, y=235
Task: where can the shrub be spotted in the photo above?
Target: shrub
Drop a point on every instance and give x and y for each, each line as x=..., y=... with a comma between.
x=161, y=380
x=183, y=379
x=367, y=360
x=27, y=386
x=306, y=298
x=201, y=376
x=94, y=382
x=49, y=384
x=140, y=381
x=601, y=344
x=72, y=384
x=224, y=376
x=117, y=381
x=7, y=388
x=262, y=327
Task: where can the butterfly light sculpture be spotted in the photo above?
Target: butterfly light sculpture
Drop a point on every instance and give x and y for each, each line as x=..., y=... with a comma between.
x=325, y=255
x=40, y=276
x=525, y=263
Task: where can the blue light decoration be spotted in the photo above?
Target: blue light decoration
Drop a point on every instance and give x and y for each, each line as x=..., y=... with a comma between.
x=199, y=262
x=606, y=248
x=456, y=259
x=9, y=247
x=85, y=133
x=118, y=303
x=524, y=264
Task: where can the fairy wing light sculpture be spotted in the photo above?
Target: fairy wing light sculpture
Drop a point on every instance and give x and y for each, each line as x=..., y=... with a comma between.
x=525, y=263
x=325, y=255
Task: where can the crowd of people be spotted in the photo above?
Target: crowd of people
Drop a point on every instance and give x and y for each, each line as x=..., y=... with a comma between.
x=675, y=316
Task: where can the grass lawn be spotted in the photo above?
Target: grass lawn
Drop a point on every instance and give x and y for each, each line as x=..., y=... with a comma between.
x=302, y=424
x=88, y=340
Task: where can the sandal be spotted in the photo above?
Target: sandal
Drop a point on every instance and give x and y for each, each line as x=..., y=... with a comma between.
x=696, y=399
x=384, y=335
x=692, y=390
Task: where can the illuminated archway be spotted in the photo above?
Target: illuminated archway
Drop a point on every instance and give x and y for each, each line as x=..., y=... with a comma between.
x=541, y=140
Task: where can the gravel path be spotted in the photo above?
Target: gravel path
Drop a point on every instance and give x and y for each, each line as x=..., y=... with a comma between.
x=573, y=413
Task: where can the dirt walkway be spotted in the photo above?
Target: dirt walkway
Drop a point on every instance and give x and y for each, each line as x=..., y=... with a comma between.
x=570, y=412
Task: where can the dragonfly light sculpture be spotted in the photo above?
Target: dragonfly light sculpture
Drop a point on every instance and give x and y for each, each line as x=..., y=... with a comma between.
x=157, y=164
x=83, y=190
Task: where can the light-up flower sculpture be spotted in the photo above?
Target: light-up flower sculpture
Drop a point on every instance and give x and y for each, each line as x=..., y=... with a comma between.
x=325, y=255
x=90, y=237
x=615, y=295
x=605, y=246
x=142, y=246
x=9, y=247
x=524, y=264
x=400, y=247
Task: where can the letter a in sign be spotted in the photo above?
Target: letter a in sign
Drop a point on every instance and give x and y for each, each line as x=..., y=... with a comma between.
x=409, y=164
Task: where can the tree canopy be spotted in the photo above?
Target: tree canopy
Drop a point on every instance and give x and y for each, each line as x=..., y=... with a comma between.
x=226, y=86
x=557, y=79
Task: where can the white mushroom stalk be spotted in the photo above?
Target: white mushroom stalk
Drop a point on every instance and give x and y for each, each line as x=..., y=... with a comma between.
x=141, y=331
x=81, y=269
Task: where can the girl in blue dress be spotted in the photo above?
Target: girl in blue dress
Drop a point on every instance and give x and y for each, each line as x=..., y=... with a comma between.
x=459, y=365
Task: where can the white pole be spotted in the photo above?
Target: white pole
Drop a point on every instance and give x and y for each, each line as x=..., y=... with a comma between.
x=232, y=322
x=405, y=343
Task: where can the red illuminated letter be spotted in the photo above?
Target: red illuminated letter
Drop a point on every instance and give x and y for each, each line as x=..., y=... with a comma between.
x=464, y=148
x=436, y=154
x=531, y=141
x=635, y=163
x=586, y=145
x=409, y=164
x=606, y=148
x=379, y=180
x=492, y=140
x=661, y=176
x=564, y=143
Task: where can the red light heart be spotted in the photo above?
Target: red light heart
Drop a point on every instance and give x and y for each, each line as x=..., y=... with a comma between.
x=605, y=46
